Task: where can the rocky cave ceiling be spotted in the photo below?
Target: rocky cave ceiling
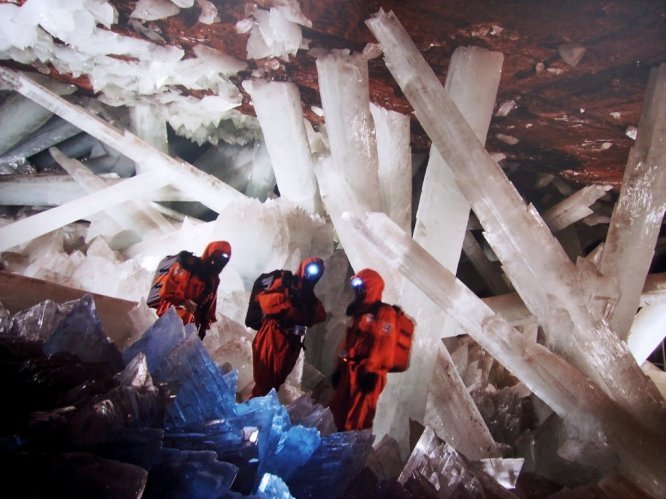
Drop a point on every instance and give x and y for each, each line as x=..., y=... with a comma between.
x=574, y=121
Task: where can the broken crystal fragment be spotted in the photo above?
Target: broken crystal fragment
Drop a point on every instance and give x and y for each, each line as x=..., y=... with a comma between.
x=273, y=487
x=439, y=464
x=151, y=10
x=505, y=108
x=571, y=53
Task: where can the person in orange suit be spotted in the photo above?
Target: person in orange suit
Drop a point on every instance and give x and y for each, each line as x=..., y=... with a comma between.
x=289, y=306
x=191, y=285
x=360, y=375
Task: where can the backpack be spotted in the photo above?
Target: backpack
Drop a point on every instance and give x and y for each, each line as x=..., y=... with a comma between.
x=254, y=316
x=153, y=300
x=394, y=345
x=403, y=341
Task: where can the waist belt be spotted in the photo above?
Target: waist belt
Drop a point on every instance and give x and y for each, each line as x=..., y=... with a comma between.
x=296, y=330
x=352, y=360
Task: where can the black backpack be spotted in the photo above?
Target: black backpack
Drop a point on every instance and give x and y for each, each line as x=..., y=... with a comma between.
x=254, y=315
x=185, y=258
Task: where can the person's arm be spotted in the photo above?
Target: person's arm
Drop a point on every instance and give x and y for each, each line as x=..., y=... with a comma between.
x=307, y=309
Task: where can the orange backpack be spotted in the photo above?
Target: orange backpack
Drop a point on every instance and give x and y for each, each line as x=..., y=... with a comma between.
x=394, y=344
x=159, y=277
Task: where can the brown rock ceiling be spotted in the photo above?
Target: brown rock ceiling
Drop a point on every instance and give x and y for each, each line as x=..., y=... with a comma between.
x=563, y=113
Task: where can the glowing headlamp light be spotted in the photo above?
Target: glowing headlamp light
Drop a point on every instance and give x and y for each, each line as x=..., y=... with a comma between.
x=312, y=270
x=220, y=258
x=356, y=283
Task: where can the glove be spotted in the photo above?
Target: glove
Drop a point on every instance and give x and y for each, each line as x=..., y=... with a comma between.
x=367, y=380
x=336, y=376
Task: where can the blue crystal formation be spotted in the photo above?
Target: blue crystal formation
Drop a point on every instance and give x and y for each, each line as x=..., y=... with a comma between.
x=158, y=340
x=191, y=474
x=176, y=357
x=256, y=436
x=38, y=322
x=273, y=487
x=198, y=442
x=338, y=459
x=283, y=448
x=229, y=439
x=81, y=334
x=303, y=411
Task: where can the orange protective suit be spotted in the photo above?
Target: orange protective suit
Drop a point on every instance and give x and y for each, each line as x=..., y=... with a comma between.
x=360, y=376
x=191, y=286
x=288, y=302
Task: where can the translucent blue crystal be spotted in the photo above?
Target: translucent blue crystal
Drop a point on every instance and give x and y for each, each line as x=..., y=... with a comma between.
x=191, y=474
x=231, y=441
x=202, y=394
x=272, y=487
x=158, y=340
x=293, y=450
x=338, y=459
x=80, y=333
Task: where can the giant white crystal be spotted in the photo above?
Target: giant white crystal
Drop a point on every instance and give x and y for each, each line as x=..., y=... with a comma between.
x=536, y=264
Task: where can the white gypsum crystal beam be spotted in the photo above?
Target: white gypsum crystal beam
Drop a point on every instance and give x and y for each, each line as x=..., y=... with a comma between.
x=441, y=224
x=639, y=211
x=345, y=98
x=149, y=124
x=395, y=164
x=26, y=229
x=538, y=267
x=53, y=132
x=490, y=274
x=441, y=219
x=573, y=208
x=136, y=215
x=19, y=118
x=560, y=385
x=647, y=331
x=654, y=290
x=207, y=189
x=512, y=308
x=280, y=114
x=55, y=189
x=339, y=199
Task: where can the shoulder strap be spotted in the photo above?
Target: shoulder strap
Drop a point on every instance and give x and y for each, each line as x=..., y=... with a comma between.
x=189, y=262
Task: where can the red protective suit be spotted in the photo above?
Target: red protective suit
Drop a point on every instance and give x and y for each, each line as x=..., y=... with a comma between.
x=288, y=302
x=361, y=373
x=191, y=288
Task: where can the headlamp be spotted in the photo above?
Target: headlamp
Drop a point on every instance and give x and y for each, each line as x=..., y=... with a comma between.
x=220, y=258
x=312, y=270
x=356, y=283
